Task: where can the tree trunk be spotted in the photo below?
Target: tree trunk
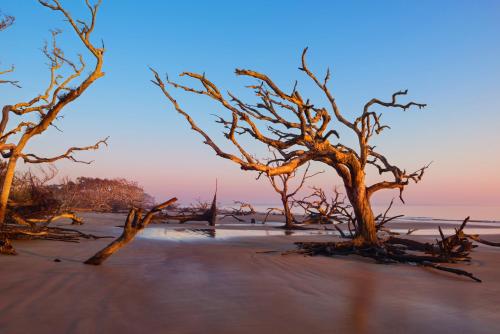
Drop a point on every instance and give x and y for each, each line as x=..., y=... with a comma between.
x=366, y=231
x=289, y=222
x=7, y=184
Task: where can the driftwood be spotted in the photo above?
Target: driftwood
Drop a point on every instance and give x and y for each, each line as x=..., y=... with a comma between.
x=20, y=232
x=243, y=209
x=20, y=228
x=38, y=232
x=6, y=247
x=75, y=220
x=452, y=249
x=135, y=222
x=270, y=211
x=209, y=215
x=233, y=216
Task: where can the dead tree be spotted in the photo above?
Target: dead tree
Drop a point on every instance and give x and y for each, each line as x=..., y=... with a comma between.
x=32, y=210
x=243, y=209
x=68, y=80
x=281, y=184
x=33, y=202
x=135, y=222
x=319, y=209
x=303, y=132
x=384, y=218
x=198, y=213
x=39, y=232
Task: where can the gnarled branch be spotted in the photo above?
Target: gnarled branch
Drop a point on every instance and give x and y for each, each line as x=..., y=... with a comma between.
x=34, y=159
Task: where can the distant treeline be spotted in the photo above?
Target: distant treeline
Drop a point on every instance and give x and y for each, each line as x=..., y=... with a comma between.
x=107, y=195
x=32, y=195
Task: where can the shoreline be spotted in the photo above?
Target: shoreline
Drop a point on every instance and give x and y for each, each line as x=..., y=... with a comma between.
x=231, y=286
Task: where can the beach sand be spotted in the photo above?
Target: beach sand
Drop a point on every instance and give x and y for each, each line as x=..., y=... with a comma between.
x=226, y=286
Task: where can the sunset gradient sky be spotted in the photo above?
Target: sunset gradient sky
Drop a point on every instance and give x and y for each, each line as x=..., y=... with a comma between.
x=446, y=53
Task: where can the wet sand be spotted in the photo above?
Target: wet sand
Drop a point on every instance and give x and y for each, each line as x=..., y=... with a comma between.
x=224, y=285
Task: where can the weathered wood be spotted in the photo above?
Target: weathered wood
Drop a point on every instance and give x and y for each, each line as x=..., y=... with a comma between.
x=42, y=232
x=452, y=249
x=318, y=209
x=135, y=222
x=209, y=215
x=6, y=247
x=302, y=132
x=233, y=216
x=477, y=238
x=75, y=220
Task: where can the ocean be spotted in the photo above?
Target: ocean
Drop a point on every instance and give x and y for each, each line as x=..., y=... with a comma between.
x=425, y=212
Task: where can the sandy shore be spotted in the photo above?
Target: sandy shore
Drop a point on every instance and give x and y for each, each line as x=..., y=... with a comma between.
x=226, y=286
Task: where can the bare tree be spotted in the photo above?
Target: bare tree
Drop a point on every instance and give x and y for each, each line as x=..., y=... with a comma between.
x=302, y=132
x=67, y=82
x=319, y=209
x=243, y=209
x=281, y=184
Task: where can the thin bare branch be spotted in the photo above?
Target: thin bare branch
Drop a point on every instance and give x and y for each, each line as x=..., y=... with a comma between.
x=34, y=159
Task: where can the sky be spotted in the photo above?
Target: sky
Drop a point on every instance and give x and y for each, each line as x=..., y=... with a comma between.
x=444, y=52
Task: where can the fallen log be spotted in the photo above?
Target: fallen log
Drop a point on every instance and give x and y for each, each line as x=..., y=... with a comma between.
x=233, y=216
x=75, y=220
x=135, y=222
x=209, y=215
x=20, y=228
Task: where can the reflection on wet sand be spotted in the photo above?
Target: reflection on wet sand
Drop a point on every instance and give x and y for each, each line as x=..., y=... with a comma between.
x=362, y=291
x=219, y=285
x=193, y=234
x=221, y=233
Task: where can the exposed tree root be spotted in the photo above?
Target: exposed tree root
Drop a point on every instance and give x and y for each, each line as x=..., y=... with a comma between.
x=452, y=249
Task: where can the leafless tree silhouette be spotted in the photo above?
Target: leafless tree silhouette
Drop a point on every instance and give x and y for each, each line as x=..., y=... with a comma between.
x=67, y=82
x=303, y=132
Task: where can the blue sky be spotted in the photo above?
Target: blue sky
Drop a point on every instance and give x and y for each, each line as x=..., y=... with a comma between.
x=445, y=52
